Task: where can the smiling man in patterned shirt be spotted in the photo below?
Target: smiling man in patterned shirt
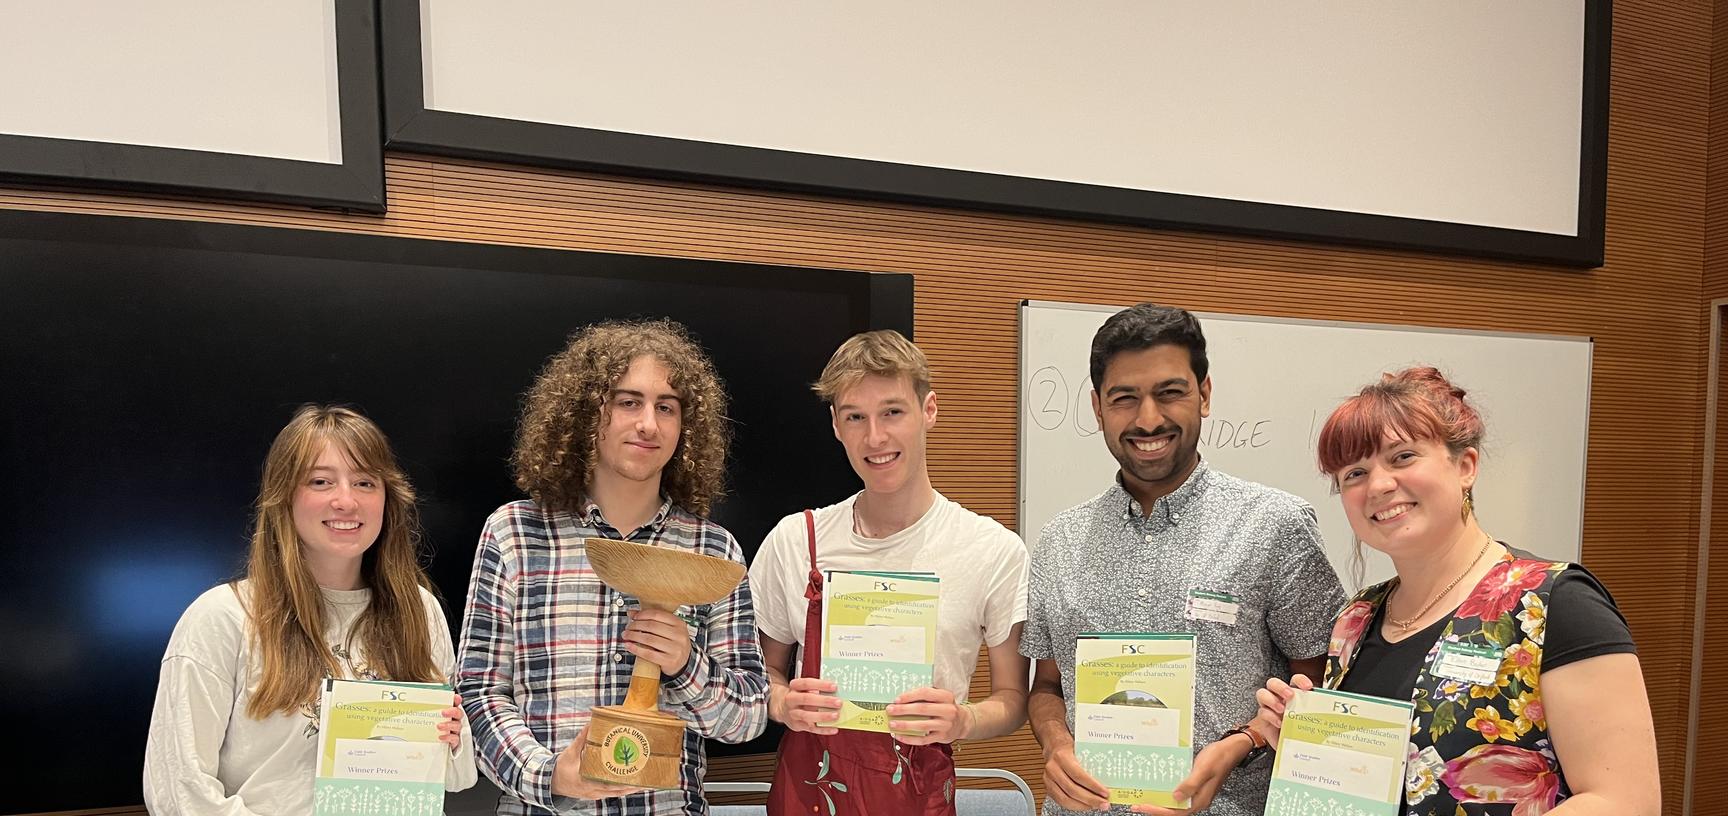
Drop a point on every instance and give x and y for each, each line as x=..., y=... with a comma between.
x=1171, y=530
x=623, y=437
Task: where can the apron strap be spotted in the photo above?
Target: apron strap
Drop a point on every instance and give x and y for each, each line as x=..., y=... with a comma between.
x=812, y=663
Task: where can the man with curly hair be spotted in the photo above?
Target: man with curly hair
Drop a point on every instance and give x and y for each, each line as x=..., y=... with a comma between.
x=623, y=436
x=877, y=386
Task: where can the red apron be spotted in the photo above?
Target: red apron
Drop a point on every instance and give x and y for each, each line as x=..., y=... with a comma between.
x=854, y=772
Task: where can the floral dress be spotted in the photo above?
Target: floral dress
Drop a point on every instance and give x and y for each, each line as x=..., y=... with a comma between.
x=1475, y=748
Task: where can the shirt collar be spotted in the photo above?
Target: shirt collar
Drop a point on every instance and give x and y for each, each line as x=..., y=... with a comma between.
x=592, y=517
x=1170, y=507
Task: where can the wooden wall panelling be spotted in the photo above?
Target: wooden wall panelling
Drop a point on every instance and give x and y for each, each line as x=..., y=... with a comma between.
x=1709, y=772
x=1709, y=787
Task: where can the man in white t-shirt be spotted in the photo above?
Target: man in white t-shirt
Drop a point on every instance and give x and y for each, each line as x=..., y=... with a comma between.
x=878, y=389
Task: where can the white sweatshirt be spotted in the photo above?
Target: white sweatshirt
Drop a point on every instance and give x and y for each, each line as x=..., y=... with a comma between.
x=206, y=756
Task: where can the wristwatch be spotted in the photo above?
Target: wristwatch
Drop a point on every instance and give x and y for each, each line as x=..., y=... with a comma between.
x=1260, y=748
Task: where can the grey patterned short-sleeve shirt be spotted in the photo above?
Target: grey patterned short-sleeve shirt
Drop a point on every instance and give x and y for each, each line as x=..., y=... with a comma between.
x=1105, y=566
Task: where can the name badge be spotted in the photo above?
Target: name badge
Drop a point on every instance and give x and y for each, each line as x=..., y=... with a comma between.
x=1217, y=607
x=1468, y=663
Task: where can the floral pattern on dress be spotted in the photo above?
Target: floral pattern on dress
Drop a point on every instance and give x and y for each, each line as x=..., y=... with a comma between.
x=1347, y=630
x=1422, y=771
x=1476, y=748
x=1500, y=590
x=1500, y=774
x=1534, y=619
x=1491, y=725
x=1531, y=713
x=827, y=787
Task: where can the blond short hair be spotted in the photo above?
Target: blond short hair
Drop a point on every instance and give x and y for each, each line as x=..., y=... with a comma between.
x=882, y=353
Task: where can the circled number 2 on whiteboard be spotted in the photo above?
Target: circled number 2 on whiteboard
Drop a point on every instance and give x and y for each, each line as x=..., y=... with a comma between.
x=1050, y=406
x=1049, y=390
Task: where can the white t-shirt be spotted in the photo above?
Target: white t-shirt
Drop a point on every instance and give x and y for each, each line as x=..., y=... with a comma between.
x=206, y=755
x=981, y=563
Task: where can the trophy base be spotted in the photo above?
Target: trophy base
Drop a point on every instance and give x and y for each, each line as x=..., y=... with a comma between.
x=641, y=749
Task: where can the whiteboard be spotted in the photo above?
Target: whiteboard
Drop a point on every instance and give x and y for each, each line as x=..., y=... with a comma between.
x=1274, y=382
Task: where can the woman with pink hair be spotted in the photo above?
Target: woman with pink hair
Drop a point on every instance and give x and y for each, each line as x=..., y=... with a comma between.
x=1557, y=721
x=1564, y=725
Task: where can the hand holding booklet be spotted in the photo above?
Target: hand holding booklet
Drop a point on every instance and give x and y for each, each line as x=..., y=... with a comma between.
x=379, y=753
x=1340, y=753
x=878, y=640
x=1134, y=714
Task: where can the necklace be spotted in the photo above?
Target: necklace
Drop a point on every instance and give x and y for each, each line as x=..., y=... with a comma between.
x=1409, y=623
x=858, y=517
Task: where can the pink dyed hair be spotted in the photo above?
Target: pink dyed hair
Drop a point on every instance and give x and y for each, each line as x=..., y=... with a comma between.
x=1416, y=403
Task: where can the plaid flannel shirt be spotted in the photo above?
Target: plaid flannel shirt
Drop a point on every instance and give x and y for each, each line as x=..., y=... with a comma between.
x=542, y=644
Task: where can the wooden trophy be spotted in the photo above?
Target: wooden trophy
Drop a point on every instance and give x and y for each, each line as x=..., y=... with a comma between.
x=637, y=744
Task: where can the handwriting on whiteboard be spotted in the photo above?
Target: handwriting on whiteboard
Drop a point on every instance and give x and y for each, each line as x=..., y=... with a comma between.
x=1054, y=404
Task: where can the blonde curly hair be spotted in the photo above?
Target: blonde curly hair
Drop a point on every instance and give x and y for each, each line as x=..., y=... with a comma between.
x=563, y=412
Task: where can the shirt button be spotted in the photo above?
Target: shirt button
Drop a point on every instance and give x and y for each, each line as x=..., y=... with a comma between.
x=1150, y=539
x=1141, y=593
x=617, y=657
x=618, y=602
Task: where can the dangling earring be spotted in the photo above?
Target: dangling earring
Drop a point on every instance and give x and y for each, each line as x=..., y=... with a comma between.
x=1469, y=505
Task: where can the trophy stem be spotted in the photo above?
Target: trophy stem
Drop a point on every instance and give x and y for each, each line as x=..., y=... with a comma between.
x=644, y=693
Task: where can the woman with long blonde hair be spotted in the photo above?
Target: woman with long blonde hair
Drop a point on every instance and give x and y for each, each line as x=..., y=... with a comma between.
x=333, y=589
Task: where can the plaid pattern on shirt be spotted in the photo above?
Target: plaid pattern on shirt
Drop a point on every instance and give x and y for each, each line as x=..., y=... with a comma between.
x=542, y=644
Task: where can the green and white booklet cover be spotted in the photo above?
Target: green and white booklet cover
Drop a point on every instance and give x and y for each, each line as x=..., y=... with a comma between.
x=1134, y=713
x=878, y=640
x=379, y=753
x=1340, y=754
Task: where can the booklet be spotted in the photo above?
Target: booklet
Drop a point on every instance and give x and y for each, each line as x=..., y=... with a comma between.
x=379, y=753
x=1134, y=713
x=878, y=640
x=1340, y=753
